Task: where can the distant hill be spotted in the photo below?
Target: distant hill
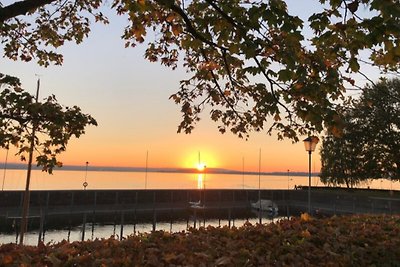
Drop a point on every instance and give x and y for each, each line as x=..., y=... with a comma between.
x=19, y=166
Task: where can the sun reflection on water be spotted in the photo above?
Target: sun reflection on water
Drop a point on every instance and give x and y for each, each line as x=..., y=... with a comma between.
x=200, y=181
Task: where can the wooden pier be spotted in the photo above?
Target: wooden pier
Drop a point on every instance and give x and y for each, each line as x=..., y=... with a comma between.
x=66, y=208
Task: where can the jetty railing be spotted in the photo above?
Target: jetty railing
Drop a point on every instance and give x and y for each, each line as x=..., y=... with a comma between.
x=66, y=209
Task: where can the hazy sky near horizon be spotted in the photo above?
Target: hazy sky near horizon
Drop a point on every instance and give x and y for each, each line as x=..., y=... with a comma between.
x=128, y=96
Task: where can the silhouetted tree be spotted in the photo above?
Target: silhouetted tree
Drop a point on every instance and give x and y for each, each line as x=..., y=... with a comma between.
x=33, y=126
x=369, y=145
x=341, y=160
x=377, y=114
x=53, y=124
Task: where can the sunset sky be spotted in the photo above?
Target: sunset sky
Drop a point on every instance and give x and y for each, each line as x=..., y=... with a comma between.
x=128, y=96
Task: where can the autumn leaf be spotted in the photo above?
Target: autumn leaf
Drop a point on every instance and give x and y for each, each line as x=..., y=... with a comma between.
x=176, y=29
x=305, y=234
x=353, y=64
x=353, y=6
x=305, y=217
x=170, y=18
x=7, y=259
x=298, y=86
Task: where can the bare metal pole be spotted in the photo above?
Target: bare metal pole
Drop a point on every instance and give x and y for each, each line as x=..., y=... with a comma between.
x=5, y=169
x=309, y=182
x=259, y=187
x=25, y=207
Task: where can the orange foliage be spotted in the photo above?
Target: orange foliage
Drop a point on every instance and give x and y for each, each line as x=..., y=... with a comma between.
x=336, y=241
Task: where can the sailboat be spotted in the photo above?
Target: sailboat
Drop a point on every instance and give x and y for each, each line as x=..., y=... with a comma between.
x=263, y=205
x=196, y=205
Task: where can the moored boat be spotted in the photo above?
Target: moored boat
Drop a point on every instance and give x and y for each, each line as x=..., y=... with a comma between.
x=265, y=205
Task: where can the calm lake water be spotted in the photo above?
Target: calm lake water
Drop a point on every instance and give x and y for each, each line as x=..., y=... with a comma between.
x=66, y=179
x=105, y=231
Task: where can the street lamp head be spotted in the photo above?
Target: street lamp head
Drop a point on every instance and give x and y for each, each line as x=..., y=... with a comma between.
x=310, y=143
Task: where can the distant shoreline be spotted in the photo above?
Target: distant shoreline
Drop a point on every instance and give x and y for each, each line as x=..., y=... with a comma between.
x=19, y=166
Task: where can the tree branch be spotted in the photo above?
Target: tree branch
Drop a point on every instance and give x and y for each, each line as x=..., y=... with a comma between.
x=21, y=8
x=215, y=80
x=222, y=13
x=271, y=82
x=189, y=26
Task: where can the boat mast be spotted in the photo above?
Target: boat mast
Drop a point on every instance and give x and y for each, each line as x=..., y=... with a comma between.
x=147, y=164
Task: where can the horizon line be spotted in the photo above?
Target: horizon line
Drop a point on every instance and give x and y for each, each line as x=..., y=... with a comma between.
x=20, y=166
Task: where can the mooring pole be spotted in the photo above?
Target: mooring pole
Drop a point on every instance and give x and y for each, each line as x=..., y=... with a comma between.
x=40, y=226
x=121, y=234
x=84, y=227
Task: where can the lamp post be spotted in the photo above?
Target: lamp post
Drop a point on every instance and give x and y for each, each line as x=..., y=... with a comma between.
x=310, y=143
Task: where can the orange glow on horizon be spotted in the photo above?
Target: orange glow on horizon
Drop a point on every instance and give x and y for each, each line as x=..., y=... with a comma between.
x=190, y=159
x=183, y=152
x=201, y=166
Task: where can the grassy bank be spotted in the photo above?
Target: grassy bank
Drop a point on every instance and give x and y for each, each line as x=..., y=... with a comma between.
x=304, y=241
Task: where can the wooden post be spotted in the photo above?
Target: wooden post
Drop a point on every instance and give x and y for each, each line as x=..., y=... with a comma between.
x=154, y=219
x=70, y=212
x=69, y=230
x=134, y=218
x=115, y=223
x=229, y=217
x=45, y=215
x=195, y=218
x=287, y=211
x=93, y=222
x=233, y=200
x=40, y=226
x=16, y=231
x=83, y=227
x=122, y=226
x=94, y=213
x=115, y=213
x=172, y=211
x=204, y=217
x=154, y=211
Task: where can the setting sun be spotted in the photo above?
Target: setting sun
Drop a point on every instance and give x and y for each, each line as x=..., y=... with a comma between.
x=201, y=166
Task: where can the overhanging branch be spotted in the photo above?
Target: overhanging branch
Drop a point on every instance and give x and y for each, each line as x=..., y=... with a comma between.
x=21, y=8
